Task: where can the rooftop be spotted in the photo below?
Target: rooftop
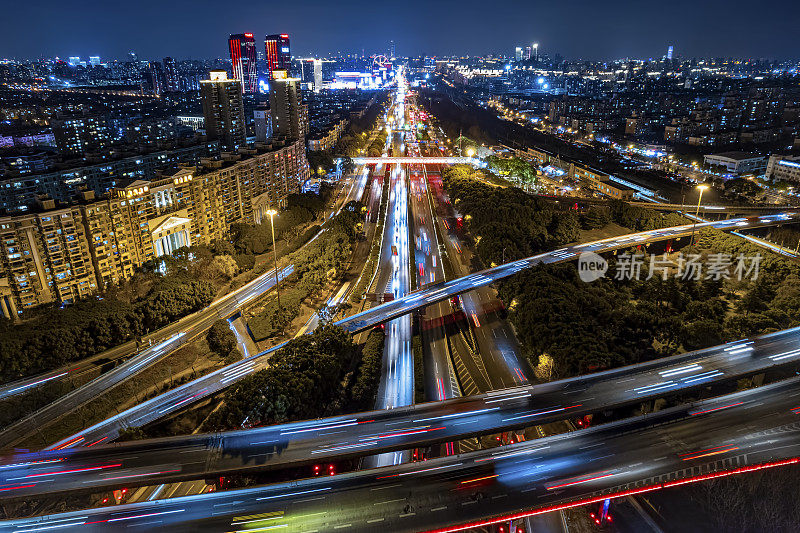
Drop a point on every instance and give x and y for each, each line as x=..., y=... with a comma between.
x=736, y=156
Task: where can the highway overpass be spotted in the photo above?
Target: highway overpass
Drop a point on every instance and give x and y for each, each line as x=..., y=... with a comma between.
x=316, y=441
x=721, y=209
x=387, y=160
x=434, y=293
x=737, y=433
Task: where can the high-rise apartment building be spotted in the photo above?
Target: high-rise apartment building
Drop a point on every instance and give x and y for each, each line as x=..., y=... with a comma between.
x=155, y=77
x=171, y=80
x=285, y=102
x=518, y=53
x=80, y=134
x=244, y=61
x=223, y=110
x=317, y=75
x=60, y=254
x=263, y=122
x=278, y=55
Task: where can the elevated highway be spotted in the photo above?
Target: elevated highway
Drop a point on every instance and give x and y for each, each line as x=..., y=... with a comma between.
x=419, y=160
x=316, y=441
x=737, y=433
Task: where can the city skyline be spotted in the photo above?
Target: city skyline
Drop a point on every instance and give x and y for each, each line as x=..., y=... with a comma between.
x=415, y=267
x=581, y=31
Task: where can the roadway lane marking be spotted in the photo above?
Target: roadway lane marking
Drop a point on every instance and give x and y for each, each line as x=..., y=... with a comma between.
x=374, y=520
x=342, y=526
x=406, y=514
x=389, y=501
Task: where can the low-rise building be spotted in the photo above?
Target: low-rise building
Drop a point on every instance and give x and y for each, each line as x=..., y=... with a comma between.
x=784, y=168
x=600, y=182
x=327, y=139
x=738, y=163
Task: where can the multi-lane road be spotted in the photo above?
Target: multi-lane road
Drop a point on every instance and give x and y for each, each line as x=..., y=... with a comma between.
x=745, y=431
x=316, y=441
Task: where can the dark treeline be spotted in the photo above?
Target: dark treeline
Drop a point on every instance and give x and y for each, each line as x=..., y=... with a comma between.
x=314, y=375
x=52, y=336
x=588, y=327
x=509, y=219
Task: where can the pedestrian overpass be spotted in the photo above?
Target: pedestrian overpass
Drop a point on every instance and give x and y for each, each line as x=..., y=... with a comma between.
x=418, y=160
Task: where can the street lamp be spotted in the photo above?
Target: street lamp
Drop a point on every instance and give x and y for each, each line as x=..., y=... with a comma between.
x=700, y=188
x=470, y=152
x=272, y=213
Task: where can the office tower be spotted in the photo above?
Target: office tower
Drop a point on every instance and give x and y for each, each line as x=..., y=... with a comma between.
x=528, y=51
x=304, y=69
x=669, y=52
x=277, y=52
x=285, y=105
x=518, y=53
x=171, y=81
x=317, y=75
x=94, y=61
x=391, y=49
x=536, y=51
x=155, y=77
x=74, y=61
x=243, y=60
x=80, y=134
x=263, y=121
x=223, y=110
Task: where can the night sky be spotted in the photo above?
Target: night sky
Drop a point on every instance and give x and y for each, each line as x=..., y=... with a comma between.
x=587, y=29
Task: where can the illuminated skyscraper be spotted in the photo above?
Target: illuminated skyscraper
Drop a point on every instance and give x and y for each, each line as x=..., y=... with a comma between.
x=317, y=75
x=243, y=61
x=518, y=53
x=171, y=82
x=155, y=77
x=223, y=110
x=285, y=104
x=669, y=52
x=277, y=53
